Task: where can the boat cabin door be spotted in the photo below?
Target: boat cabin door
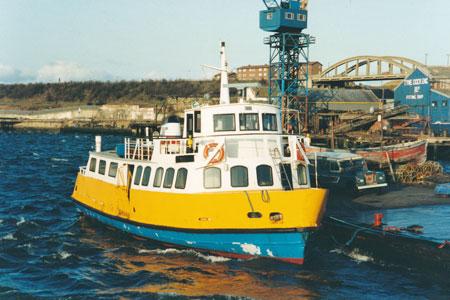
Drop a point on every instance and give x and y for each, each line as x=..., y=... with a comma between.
x=124, y=187
x=286, y=176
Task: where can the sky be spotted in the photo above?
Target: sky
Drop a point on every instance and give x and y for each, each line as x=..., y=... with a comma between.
x=114, y=40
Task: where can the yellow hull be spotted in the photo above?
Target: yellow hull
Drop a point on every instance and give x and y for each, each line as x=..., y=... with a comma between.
x=301, y=208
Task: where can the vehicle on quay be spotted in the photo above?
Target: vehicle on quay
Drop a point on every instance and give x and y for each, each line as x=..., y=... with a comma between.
x=344, y=171
x=227, y=182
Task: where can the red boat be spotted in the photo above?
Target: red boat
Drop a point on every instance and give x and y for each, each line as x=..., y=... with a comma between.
x=394, y=154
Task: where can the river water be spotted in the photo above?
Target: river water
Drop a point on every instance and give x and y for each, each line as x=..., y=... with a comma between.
x=48, y=250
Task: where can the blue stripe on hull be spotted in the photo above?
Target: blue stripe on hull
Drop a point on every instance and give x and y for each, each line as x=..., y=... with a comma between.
x=285, y=246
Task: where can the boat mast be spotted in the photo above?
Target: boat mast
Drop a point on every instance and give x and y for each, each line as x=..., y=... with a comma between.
x=224, y=91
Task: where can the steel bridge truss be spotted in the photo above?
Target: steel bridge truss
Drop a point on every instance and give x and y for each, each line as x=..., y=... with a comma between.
x=288, y=77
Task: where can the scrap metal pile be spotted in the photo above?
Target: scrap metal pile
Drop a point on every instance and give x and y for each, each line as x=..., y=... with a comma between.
x=431, y=171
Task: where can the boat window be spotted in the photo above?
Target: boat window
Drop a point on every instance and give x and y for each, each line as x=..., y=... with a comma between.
x=180, y=183
x=93, y=164
x=146, y=177
x=264, y=175
x=323, y=165
x=168, y=179
x=102, y=167
x=248, y=122
x=197, y=121
x=113, y=169
x=269, y=122
x=158, y=177
x=239, y=176
x=301, y=174
x=212, y=178
x=224, y=122
x=289, y=16
x=137, y=178
x=334, y=166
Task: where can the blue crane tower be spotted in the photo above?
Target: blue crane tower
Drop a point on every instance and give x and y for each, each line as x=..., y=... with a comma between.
x=289, y=59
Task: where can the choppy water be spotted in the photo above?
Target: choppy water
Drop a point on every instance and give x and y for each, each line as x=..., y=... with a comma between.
x=48, y=250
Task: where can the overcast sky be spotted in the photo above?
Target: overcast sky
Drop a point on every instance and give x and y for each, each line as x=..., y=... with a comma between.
x=47, y=40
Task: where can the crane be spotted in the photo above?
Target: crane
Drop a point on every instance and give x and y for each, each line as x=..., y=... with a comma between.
x=288, y=75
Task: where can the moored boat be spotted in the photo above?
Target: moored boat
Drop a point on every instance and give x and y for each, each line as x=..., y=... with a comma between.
x=227, y=182
x=390, y=154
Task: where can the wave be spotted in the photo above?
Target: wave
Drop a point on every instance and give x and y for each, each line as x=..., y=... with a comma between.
x=59, y=159
x=206, y=257
x=8, y=237
x=355, y=254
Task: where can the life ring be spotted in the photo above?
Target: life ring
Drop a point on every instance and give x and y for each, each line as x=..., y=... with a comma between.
x=299, y=154
x=216, y=159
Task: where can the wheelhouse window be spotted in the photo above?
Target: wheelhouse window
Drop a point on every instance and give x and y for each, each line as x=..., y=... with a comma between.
x=239, y=176
x=334, y=166
x=113, y=169
x=269, y=16
x=158, y=177
x=146, y=177
x=137, y=178
x=434, y=104
x=444, y=103
x=289, y=16
x=102, y=167
x=301, y=17
x=224, y=122
x=212, y=178
x=264, y=175
x=168, y=179
x=180, y=183
x=248, y=122
x=93, y=164
x=269, y=122
x=197, y=122
x=301, y=174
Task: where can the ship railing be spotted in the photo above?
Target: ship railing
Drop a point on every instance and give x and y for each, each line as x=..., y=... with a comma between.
x=177, y=146
x=140, y=149
x=83, y=170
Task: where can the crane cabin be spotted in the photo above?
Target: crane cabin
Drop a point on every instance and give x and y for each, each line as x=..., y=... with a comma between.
x=287, y=16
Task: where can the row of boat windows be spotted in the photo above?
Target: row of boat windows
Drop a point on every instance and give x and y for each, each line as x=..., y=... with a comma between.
x=247, y=121
x=212, y=177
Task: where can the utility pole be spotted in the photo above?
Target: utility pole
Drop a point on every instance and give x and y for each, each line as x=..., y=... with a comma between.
x=448, y=59
x=426, y=59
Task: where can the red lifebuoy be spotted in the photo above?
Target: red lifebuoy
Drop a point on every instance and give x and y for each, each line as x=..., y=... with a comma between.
x=217, y=159
x=299, y=154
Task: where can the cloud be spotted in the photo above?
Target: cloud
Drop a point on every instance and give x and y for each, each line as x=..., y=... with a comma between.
x=9, y=74
x=153, y=76
x=63, y=71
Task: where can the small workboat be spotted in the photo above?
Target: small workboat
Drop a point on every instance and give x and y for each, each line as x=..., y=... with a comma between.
x=404, y=246
x=387, y=155
x=227, y=181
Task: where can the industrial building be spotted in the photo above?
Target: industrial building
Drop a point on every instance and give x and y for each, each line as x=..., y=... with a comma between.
x=261, y=72
x=427, y=91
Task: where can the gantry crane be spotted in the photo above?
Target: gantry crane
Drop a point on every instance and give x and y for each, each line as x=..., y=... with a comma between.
x=289, y=59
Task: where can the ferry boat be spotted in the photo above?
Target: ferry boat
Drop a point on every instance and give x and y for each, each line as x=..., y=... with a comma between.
x=228, y=182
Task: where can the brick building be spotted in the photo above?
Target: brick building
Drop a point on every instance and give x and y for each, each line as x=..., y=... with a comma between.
x=261, y=72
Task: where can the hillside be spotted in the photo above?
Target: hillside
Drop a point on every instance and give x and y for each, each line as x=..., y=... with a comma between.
x=53, y=95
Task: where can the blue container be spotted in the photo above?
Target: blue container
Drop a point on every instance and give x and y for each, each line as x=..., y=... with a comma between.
x=120, y=150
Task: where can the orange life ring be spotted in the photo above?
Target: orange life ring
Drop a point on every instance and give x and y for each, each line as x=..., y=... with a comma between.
x=218, y=158
x=299, y=154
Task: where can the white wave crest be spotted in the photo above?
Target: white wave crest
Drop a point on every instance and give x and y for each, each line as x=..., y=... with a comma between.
x=206, y=257
x=59, y=159
x=22, y=220
x=355, y=254
x=8, y=237
x=62, y=255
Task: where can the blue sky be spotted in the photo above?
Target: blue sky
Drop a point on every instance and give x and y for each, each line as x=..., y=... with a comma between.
x=44, y=40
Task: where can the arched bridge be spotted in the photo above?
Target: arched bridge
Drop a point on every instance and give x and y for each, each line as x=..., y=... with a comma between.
x=367, y=68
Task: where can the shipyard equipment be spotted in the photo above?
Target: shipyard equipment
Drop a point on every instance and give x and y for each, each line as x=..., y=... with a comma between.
x=289, y=59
